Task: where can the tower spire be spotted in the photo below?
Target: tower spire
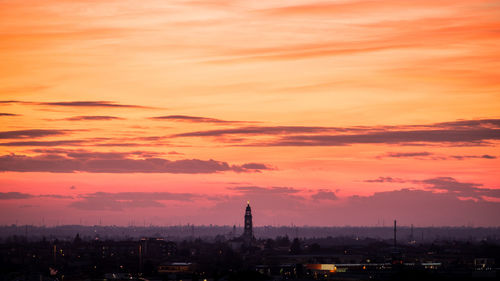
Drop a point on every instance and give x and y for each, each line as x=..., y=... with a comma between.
x=248, y=232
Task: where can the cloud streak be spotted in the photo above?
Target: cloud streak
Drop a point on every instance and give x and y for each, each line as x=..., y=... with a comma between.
x=460, y=189
x=94, y=162
x=425, y=155
x=194, y=119
x=469, y=136
x=92, y=118
x=44, y=143
x=19, y=195
x=385, y=179
x=260, y=130
x=471, y=132
x=35, y=133
x=78, y=104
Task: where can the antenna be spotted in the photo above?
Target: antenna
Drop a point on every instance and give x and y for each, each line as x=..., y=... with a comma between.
x=411, y=233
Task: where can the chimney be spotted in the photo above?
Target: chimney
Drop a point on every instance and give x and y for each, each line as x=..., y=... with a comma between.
x=394, y=234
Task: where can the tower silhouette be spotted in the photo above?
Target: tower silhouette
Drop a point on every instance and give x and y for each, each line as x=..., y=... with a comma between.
x=248, y=232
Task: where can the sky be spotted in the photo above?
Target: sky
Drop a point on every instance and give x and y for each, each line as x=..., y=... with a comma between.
x=325, y=113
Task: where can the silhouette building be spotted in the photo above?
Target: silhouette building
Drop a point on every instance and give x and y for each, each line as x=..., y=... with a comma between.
x=246, y=240
x=248, y=232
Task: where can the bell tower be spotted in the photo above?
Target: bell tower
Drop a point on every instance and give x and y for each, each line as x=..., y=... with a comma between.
x=248, y=232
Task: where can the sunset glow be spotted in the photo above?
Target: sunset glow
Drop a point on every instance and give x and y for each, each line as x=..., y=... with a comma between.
x=320, y=113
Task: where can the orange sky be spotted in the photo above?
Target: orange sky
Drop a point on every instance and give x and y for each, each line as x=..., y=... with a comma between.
x=179, y=111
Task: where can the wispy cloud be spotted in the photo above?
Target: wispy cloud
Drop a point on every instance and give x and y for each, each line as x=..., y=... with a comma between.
x=8, y=114
x=386, y=179
x=92, y=118
x=35, y=133
x=97, y=142
x=44, y=143
x=194, y=119
x=469, y=136
x=471, y=132
x=260, y=130
x=20, y=195
x=425, y=155
x=108, y=104
x=463, y=157
x=407, y=154
x=104, y=104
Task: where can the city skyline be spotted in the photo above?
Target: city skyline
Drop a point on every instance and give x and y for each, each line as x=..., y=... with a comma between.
x=327, y=113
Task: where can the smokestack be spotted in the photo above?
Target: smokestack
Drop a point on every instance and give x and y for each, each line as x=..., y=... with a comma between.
x=394, y=234
x=140, y=256
x=411, y=234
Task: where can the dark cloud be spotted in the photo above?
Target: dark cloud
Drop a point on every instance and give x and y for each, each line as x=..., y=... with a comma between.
x=324, y=194
x=14, y=195
x=257, y=130
x=9, y=101
x=20, y=195
x=423, y=207
x=320, y=207
x=121, y=200
x=386, y=179
x=470, y=132
x=85, y=142
x=55, y=196
x=125, y=144
x=463, y=157
x=316, y=207
x=90, y=104
x=470, y=123
x=114, y=162
x=22, y=134
x=193, y=119
x=105, y=104
x=459, y=189
x=407, y=154
x=432, y=156
x=474, y=136
x=44, y=143
x=255, y=166
x=447, y=185
x=92, y=118
x=8, y=114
